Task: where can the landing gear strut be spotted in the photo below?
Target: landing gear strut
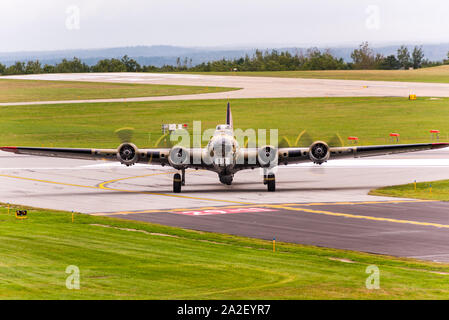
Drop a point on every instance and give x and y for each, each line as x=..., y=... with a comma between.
x=183, y=178
x=270, y=181
x=177, y=183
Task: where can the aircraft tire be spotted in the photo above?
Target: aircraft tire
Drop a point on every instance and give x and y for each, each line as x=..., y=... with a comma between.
x=177, y=183
x=271, y=183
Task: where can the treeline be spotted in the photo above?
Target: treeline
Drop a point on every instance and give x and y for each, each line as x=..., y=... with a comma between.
x=365, y=58
x=72, y=66
x=312, y=59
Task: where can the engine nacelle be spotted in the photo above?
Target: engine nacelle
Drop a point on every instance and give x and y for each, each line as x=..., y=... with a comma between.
x=179, y=157
x=319, y=152
x=127, y=154
x=268, y=156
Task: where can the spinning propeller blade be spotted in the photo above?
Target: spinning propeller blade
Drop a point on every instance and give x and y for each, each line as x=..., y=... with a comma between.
x=125, y=134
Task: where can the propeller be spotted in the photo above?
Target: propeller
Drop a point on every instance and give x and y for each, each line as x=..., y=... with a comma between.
x=336, y=141
x=127, y=152
x=164, y=141
x=304, y=139
x=125, y=134
x=284, y=143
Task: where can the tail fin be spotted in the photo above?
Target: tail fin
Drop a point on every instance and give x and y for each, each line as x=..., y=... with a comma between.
x=229, y=116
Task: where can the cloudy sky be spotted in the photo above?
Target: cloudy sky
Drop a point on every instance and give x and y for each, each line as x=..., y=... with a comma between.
x=27, y=25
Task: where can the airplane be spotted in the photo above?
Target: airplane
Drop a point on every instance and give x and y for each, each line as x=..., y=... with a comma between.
x=224, y=156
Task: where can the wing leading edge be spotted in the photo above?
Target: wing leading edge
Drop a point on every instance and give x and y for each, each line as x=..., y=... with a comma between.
x=297, y=155
x=156, y=156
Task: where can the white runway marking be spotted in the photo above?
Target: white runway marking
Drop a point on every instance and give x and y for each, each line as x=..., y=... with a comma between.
x=347, y=163
x=365, y=163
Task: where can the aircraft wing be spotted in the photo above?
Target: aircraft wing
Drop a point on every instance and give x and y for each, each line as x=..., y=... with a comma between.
x=154, y=156
x=319, y=152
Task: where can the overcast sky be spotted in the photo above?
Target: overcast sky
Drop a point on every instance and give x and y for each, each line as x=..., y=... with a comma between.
x=27, y=25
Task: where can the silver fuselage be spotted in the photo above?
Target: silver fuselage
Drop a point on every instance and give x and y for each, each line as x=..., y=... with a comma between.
x=223, y=150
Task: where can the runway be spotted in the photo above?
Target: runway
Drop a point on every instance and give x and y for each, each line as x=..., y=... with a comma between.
x=324, y=205
x=251, y=87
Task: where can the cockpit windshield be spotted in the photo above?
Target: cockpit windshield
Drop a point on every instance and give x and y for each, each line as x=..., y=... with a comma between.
x=223, y=127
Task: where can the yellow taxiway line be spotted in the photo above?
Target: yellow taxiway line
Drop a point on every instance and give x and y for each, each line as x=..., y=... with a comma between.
x=356, y=202
x=103, y=186
x=355, y=216
x=289, y=207
x=47, y=181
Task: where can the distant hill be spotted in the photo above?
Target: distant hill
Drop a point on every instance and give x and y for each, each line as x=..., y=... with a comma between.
x=160, y=55
x=146, y=55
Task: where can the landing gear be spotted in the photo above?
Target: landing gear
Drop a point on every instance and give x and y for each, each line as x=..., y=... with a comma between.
x=179, y=180
x=226, y=179
x=177, y=183
x=270, y=181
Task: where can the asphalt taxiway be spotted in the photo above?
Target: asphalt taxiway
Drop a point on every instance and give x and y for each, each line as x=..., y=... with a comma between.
x=410, y=228
x=324, y=205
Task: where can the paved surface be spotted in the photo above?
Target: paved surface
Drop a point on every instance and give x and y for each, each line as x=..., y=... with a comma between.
x=252, y=87
x=408, y=229
x=96, y=186
x=143, y=192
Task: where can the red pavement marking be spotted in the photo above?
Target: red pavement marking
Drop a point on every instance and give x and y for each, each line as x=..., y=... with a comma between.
x=222, y=211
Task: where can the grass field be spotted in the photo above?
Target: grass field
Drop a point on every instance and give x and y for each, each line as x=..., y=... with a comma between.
x=93, y=124
x=438, y=74
x=121, y=259
x=440, y=190
x=38, y=90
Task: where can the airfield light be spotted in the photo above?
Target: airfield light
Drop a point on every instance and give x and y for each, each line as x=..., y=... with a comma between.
x=353, y=139
x=394, y=136
x=435, y=134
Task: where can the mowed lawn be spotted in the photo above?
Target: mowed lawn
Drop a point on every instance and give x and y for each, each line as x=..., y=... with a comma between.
x=120, y=259
x=429, y=190
x=438, y=74
x=93, y=125
x=12, y=90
